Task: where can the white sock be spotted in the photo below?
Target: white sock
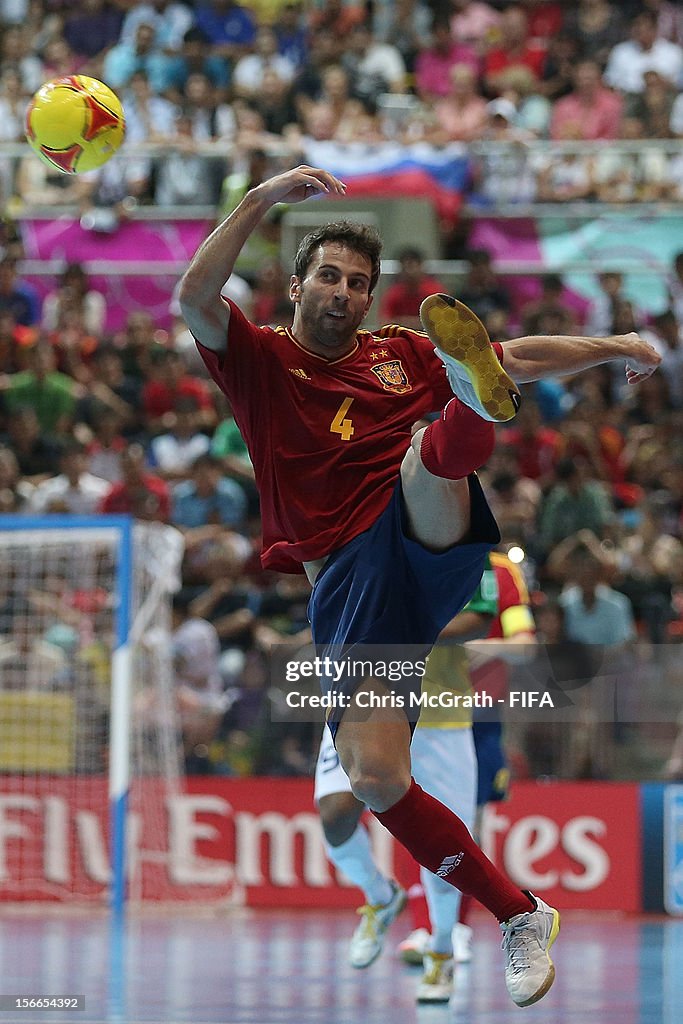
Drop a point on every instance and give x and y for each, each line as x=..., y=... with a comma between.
x=444, y=905
x=354, y=858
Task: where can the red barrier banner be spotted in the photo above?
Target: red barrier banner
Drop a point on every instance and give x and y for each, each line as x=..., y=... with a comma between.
x=576, y=844
x=259, y=841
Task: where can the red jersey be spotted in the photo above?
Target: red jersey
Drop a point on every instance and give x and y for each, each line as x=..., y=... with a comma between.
x=326, y=438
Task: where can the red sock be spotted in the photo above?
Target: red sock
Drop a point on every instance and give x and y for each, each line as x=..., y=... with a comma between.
x=458, y=443
x=439, y=840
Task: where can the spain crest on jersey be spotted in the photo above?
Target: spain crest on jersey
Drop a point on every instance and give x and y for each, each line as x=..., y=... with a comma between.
x=392, y=376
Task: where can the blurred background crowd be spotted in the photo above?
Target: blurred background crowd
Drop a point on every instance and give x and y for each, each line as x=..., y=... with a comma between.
x=586, y=483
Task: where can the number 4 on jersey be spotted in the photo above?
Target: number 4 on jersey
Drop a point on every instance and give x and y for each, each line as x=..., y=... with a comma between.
x=341, y=426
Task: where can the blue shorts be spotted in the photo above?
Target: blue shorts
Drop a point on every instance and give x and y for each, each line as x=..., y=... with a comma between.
x=493, y=776
x=384, y=590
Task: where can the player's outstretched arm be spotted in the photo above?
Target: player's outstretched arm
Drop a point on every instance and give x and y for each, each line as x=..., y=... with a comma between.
x=534, y=358
x=205, y=313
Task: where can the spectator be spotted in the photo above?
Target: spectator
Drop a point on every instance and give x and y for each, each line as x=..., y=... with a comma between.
x=631, y=175
x=545, y=18
x=566, y=176
x=229, y=27
x=505, y=173
x=249, y=69
x=59, y=60
x=110, y=386
x=461, y=114
x=549, y=301
x=336, y=17
x=198, y=683
x=74, y=491
x=168, y=382
x=210, y=119
x=175, y=452
x=654, y=106
x=106, y=443
x=15, y=52
x=195, y=57
x=186, y=177
x=276, y=106
x=404, y=24
x=308, y=82
x=675, y=287
x=573, y=503
x=601, y=312
x=643, y=52
x=35, y=452
x=433, y=65
x=402, y=299
x=474, y=23
x=557, y=79
x=374, y=68
x=227, y=445
x=669, y=332
x=537, y=448
x=94, y=29
x=598, y=26
x=594, y=612
x=52, y=394
x=15, y=493
x=669, y=19
x=515, y=50
x=481, y=290
x=74, y=289
x=142, y=53
x=17, y=297
x=149, y=118
x=591, y=110
x=292, y=38
x=28, y=662
x=170, y=21
x=208, y=498
x=139, y=493
x=532, y=109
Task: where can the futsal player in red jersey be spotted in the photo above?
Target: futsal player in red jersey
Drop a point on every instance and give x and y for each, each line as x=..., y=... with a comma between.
x=392, y=532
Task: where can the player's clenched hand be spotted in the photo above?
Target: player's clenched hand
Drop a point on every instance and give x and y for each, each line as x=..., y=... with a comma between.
x=641, y=359
x=301, y=183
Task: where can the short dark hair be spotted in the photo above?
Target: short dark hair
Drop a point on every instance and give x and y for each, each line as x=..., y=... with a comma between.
x=358, y=237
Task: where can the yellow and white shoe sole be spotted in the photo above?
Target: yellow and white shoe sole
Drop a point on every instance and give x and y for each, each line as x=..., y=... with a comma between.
x=550, y=976
x=458, y=332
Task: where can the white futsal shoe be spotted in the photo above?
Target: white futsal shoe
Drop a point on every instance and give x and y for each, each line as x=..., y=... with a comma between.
x=414, y=947
x=529, y=971
x=472, y=367
x=462, y=943
x=368, y=939
x=436, y=985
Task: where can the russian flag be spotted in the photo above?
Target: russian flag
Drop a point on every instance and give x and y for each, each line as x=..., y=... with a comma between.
x=391, y=169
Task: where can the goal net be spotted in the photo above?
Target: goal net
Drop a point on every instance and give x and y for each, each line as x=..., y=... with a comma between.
x=85, y=608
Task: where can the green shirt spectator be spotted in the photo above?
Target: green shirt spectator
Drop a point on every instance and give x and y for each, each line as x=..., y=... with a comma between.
x=51, y=394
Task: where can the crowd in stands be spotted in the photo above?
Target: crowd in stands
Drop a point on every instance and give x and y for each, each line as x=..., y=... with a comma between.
x=587, y=481
x=206, y=84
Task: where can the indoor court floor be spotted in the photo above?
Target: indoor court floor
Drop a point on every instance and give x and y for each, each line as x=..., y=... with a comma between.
x=289, y=967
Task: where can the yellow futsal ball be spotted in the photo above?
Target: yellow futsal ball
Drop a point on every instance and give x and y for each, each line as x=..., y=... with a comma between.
x=75, y=123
